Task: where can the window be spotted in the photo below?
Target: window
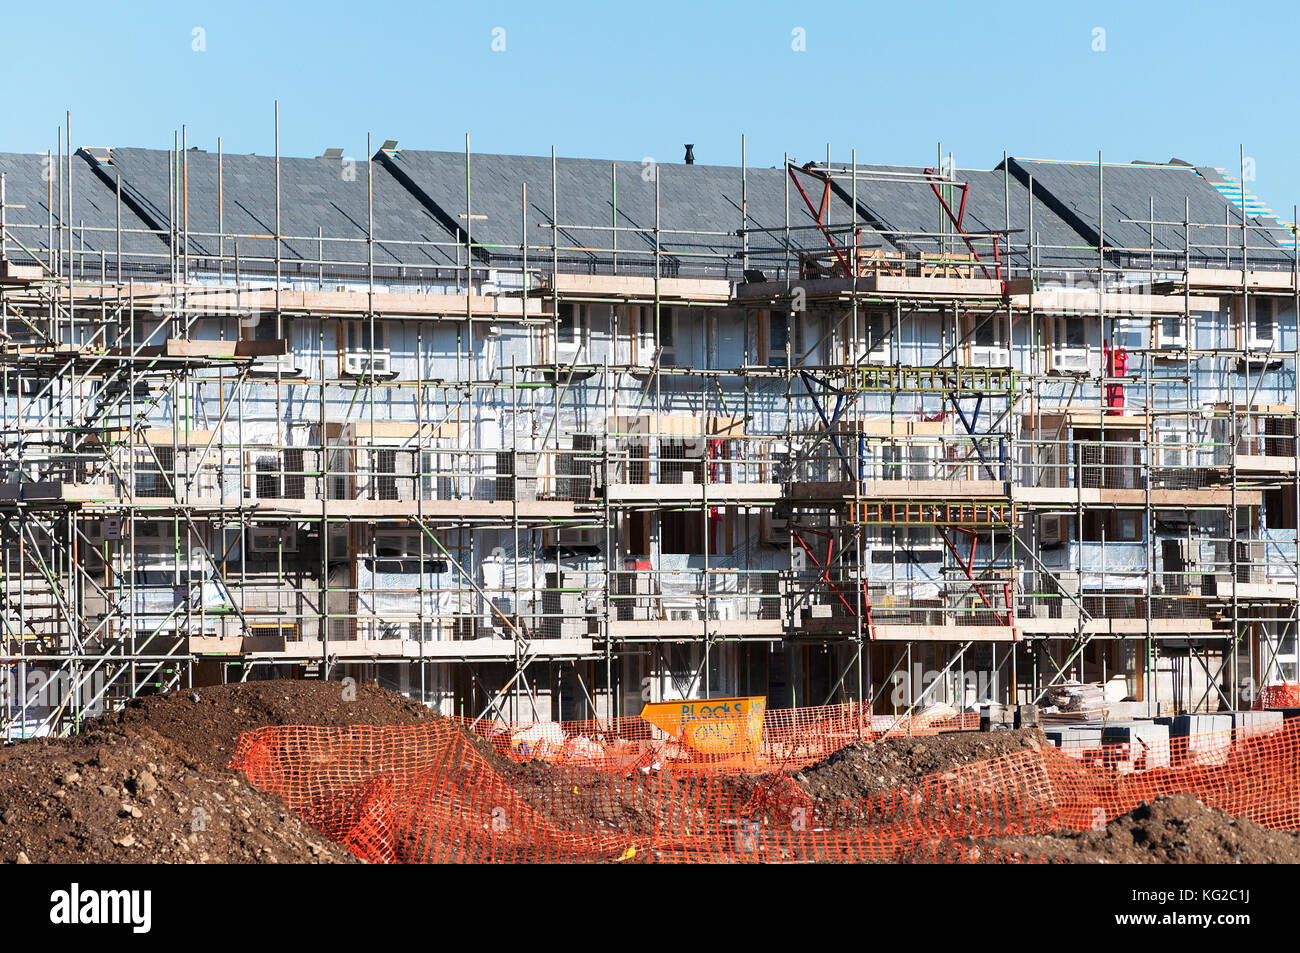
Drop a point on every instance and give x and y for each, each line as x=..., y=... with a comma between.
x=263, y=330
x=295, y=479
x=340, y=479
x=877, y=324
x=636, y=535
x=1175, y=567
x=641, y=325
x=360, y=338
x=575, y=474
x=1070, y=345
x=1119, y=526
x=905, y=545
x=1171, y=331
x=571, y=329
x=384, y=472
x=1279, y=436
x=987, y=336
x=1071, y=332
x=567, y=322
x=678, y=457
x=668, y=329
x=783, y=330
x=1263, y=327
x=682, y=533
x=400, y=553
x=152, y=477
x=1280, y=507
x=877, y=330
x=268, y=476
x=1131, y=334
x=1113, y=465
x=778, y=332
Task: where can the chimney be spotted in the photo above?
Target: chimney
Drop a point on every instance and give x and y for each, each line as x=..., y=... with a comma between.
x=690, y=153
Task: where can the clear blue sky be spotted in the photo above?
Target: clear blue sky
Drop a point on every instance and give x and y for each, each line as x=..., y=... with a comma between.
x=630, y=80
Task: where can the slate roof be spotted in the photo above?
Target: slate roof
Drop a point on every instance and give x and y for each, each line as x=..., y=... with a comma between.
x=93, y=206
x=317, y=196
x=1070, y=189
x=420, y=222
x=692, y=198
x=898, y=200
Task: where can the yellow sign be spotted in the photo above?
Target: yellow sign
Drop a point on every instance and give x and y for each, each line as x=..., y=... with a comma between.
x=727, y=726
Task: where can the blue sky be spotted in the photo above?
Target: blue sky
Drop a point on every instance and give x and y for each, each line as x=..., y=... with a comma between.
x=635, y=80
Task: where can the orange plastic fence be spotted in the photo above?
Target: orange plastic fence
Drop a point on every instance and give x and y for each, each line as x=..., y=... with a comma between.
x=436, y=793
x=1285, y=695
x=790, y=737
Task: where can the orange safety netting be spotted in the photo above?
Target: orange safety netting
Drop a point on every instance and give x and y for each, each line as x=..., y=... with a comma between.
x=1285, y=695
x=436, y=793
x=790, y=737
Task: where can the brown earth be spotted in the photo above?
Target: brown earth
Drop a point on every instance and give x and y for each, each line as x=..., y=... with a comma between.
x=1177, y=829
x=149, y=784
x=865, y=768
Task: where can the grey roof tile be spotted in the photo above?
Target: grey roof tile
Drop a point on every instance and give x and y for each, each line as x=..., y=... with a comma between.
x=694, y=199
x=1129, y=191
x=420, y=206
x=317, y=197
x=93, y=212
x=902, y=202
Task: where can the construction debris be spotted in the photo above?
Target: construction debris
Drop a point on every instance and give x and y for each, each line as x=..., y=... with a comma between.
x=1072, y=701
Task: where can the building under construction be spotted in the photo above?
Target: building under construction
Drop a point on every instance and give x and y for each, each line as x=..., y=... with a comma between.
x=543, y=438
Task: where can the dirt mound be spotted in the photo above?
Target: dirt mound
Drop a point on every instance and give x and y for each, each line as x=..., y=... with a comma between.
x=1177, y=829
x=149, y=784
x=207, y=722
x=865, y=768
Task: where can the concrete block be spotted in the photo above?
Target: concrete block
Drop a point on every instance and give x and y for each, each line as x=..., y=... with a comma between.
x=1199, y=739
x=996, y=716
x=1251, y=724
x=1139, y=745
x=1027, y=716
x=1129, y=711
x=1075, y=740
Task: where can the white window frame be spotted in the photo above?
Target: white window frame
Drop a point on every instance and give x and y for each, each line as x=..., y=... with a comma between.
x=988, y=355
x=641, y=334
x=1069, y=358
x=1167, y=341
x=877, y=348
x=1255, y=342
x=408, y=545
x=356, y=347
x=1173, y=446
x=570, y=337
x=356, y=331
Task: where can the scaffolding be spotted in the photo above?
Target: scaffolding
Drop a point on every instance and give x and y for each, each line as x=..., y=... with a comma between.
x=608, y=462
